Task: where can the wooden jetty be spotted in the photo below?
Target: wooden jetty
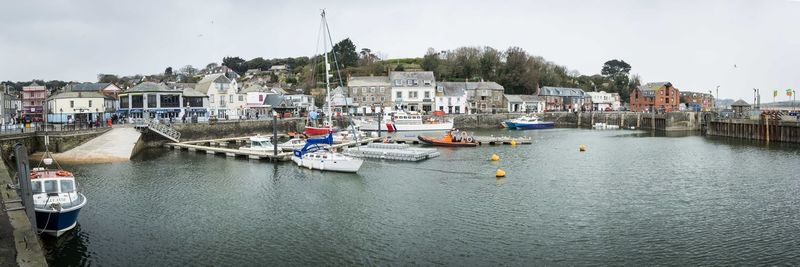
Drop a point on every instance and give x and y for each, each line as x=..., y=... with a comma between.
x=482, y=140
x=194, y=146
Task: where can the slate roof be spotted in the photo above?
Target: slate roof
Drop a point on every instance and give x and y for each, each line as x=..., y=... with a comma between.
x=561, y=91
x=86, y=87
x=418, y=75
x=523, y=98
x=274, y=100
x=470, y=86
x=740, y=103
x=150, y=87
x=191, y=92
x=203, y=85
x=76, y=95
x=369, y=81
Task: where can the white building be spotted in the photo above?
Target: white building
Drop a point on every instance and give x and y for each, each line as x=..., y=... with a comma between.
x=224, y=99
x=451, y=99
x=413, y=90
x=75, y=106
x=602, y=100
x=524, y=103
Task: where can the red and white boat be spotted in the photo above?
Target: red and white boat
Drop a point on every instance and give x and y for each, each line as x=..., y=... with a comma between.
x=401, y=121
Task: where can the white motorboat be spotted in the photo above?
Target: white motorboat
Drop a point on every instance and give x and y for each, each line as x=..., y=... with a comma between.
x=400, y=121
x=605, y=126
x=259, y=143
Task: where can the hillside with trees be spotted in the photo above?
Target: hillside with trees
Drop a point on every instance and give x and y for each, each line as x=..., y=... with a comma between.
x=513, y=68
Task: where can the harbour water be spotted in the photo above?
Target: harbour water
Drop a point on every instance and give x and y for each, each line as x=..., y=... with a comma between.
x=632, y=198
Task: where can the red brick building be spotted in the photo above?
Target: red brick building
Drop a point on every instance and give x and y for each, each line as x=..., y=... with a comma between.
x=658, y=96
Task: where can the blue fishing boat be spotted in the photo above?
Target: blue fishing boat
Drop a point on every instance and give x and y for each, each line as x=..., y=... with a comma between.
x=529, y=123
x=56, y=200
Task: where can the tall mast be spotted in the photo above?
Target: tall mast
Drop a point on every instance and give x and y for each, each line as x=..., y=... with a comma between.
x=327, y=71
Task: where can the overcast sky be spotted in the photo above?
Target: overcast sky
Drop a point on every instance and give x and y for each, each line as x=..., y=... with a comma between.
x=697, y=45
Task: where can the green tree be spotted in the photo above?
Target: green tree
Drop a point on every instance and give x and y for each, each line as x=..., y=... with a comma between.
x=399, y=67
x=431, y=61
x=188, y=70
x=614, y=68
x=107, y=78
x=168, y=71
x=211, y=66
x=235, y=63
x=519, y=75
x=345, y=52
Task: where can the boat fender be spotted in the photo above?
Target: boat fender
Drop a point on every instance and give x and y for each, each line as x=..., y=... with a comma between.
x=500, y=173
x=63, y=173
x=34, y=174
x=495, y=157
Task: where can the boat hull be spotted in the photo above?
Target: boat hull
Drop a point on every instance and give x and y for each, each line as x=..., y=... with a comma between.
x=349, y=166
x=317, y=130
x=534, y=126
x=509, y=124
x=56, y=223
x=394, y=127
x=434, y=142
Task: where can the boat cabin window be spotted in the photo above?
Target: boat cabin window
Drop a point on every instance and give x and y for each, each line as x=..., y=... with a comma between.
x=67, y=186
x=324, y=157
x=36, y=187
x=51, y=186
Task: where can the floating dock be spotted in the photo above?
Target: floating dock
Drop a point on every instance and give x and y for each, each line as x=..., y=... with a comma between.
x=482, y=140
x=402, y=152
x=194, y=146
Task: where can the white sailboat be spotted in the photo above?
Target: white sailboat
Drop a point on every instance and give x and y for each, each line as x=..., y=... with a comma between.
x=314, y=156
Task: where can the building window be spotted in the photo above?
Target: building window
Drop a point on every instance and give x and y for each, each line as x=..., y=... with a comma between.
x=211, y=98
x=409, y=82
x=399, y=94
x=427, y=82
x=439, y=88
x=363, y=89
x=383, y=89
x=398, y=82
x=230, y=97
x=90, y=103
x=373, y=99
x=372, y=89
x=71, y=104
x=222, y=101
x=382, y=98
x=241, y=97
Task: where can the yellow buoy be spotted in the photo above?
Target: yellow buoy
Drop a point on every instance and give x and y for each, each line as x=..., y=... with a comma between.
x=582, y=148
x=495, y=157
x=500, y=173
x=513, y=142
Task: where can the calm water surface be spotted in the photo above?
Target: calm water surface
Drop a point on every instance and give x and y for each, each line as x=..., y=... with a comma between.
x=633, y=198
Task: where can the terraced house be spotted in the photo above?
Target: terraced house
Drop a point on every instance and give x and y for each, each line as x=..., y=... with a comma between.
x=371, y=93
x=413, y=90
x=564, y=99
x=224, y=99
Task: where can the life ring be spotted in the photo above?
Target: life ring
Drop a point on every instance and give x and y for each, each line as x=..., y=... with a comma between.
x=63, y=173
x=470, y=139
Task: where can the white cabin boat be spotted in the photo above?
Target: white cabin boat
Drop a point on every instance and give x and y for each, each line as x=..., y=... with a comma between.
x=401, y=121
